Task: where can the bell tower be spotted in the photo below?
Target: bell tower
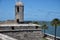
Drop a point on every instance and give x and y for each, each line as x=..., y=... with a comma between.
x=19, y=11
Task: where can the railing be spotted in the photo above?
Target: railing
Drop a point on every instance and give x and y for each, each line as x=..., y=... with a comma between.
x=52, y=36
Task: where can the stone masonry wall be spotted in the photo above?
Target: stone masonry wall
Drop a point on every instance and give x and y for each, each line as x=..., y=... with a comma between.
x=34, y=35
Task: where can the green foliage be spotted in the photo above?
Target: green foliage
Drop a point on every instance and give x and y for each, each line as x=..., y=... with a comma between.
x=55, y=22
x=44, y=26
x=36, y=22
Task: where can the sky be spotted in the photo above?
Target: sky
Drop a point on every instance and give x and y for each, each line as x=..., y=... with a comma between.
x=34, y=10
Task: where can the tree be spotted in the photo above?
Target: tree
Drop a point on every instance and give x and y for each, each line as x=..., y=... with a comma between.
x=36, y=22
x=55, y=22
x=44, y=27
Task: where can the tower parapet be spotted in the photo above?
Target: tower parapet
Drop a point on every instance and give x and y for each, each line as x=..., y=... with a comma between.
x=19, y=4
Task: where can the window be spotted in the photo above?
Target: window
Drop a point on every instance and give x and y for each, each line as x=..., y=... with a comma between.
x=17, y=9
x=17, y=20
x=36, y=27
x=12, y=28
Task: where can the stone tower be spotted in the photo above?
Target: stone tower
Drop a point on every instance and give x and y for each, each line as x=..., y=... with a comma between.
x=19, y=12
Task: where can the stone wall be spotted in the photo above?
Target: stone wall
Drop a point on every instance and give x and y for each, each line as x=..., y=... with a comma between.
x=33, y=35
x=23, y=35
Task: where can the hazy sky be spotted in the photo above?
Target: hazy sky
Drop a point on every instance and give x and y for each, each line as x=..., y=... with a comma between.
x=45, y=10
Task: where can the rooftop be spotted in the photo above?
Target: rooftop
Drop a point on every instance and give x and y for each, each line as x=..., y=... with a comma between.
x=30, y=24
